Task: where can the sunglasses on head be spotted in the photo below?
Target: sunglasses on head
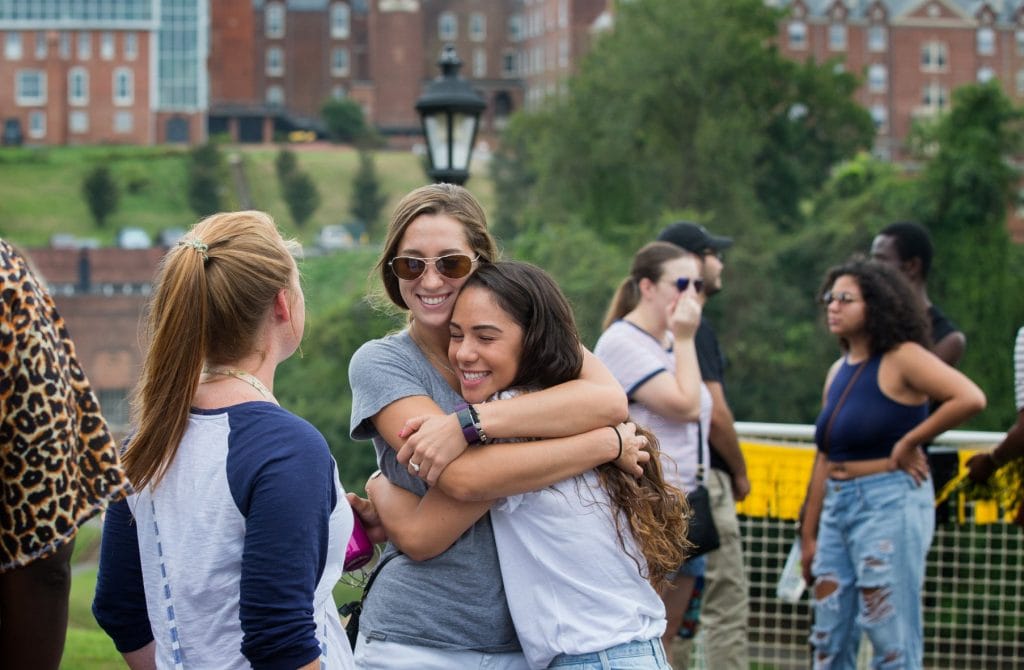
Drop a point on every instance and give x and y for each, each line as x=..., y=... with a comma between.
x=684, y=282
x=453, y=266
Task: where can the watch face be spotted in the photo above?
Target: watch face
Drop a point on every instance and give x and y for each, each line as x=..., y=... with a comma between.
x=398, y=6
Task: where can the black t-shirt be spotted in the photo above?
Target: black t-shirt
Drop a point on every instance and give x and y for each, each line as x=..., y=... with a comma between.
x=942, y=325
x=712, y=369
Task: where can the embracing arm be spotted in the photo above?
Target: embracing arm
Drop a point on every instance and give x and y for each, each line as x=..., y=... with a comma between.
x=422, y=527
x=495, y=471
x=556, y=411
x=594, y=400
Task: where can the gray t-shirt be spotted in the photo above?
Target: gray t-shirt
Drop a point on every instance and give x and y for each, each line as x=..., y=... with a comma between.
x=452, y=601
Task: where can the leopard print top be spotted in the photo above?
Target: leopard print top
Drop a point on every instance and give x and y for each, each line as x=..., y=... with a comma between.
x=59, y=465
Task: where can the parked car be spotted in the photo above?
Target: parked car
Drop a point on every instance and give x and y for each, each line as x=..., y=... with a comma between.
x=133, y=238
x=12, y=135
x=334, y=237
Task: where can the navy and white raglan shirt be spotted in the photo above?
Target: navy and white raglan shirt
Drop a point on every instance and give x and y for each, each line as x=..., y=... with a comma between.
x=229, y=562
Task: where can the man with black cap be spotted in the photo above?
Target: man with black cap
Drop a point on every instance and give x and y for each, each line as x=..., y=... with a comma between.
x=725, y=607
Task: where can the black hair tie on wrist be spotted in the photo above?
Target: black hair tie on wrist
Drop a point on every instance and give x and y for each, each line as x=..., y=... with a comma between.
x=620, y=442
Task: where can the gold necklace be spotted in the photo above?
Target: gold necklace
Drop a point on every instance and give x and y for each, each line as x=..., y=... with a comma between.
x=246, y=377
x=430, y=355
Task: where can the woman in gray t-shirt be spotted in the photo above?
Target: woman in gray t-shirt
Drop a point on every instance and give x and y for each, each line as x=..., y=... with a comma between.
x=450, y=611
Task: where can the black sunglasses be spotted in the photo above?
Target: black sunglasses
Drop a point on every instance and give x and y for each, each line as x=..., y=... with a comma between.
x=453, y=266
x=684, y=282
x=842, y=297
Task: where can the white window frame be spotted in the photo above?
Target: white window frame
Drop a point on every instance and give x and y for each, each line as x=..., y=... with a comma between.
x=42, y=48
x=37, y=124
x=84, y=49
x=479, y=62
x=509, y=60
x=64, y=45
x=837, y=37
x=107, y=45
x=934, y=56
x=78, y=121
x=934, y=97
x=1020, y=82
x=124, y=122
x=985, y=74
x=275, y=95
x=340, y=63
x=447, y=26
x=273, y=20
x=275, y=61
x=131, y=46
x=514, y=28
x=796, y=35
x=880, y=117
x=30, y=88
x=878, y=38
x=477, y=26
x=123, y=93
x=13, y=45
x=341, y=21
x=986, y=41
x=878, y=78
x=78, y=86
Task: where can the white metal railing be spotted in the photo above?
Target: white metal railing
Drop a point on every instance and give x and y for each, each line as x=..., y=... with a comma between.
x=974, y=583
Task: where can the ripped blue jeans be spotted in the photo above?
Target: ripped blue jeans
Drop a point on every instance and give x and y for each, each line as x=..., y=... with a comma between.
x=873, y=538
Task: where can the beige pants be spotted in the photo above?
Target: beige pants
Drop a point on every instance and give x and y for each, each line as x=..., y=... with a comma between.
x=726, y=609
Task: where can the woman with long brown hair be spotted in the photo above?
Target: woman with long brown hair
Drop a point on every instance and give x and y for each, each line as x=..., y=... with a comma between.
x=227, y=553
x=512, y=333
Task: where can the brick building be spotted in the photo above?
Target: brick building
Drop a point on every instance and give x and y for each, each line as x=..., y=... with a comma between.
x=102, y=293
x=90, y=72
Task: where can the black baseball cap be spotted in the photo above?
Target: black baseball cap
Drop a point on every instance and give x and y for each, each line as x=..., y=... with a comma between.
x=693, y=237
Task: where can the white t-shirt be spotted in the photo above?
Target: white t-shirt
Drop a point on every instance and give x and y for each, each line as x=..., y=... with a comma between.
x=634, y=357
x=570, y=585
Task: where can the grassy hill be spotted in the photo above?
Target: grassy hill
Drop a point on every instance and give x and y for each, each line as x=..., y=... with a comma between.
x=41, y=188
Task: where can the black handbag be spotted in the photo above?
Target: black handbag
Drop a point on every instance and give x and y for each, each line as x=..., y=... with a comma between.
x=353, y=609
x=702, y=533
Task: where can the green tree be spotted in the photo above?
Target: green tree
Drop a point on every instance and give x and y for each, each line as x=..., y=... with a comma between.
x=344, y=120
x=301, y=195
x=966, y=188
x=285, y=163
x=101, y=193
x=205, y=176
x=686, y=106
x=368, y=198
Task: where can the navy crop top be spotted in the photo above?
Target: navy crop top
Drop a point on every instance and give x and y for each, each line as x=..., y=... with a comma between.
x=869, y=423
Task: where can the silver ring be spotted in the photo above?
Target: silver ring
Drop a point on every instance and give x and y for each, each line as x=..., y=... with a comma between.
x=415, y=466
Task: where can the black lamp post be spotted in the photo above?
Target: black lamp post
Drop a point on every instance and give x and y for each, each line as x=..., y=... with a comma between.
x=450, y=110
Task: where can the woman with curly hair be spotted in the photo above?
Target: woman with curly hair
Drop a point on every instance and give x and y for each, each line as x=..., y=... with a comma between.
x=868, y=519
x=512, y=332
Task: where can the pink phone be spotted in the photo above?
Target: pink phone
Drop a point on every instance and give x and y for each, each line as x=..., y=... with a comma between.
x=359, y=550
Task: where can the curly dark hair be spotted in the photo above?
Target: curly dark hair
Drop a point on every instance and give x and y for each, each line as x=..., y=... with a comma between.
x=894, y=313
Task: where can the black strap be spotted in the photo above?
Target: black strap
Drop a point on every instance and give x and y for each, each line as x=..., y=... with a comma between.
x=839, y=404
x=350, y=607
x=700, y=452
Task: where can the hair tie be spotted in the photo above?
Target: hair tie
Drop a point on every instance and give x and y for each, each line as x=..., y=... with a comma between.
x=198, y=245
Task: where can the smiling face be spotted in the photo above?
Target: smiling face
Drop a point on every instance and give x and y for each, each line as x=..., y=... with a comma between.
x=486, y=345
x=431, y=296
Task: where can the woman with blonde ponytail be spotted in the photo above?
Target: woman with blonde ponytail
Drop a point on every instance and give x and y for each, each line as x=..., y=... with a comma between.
x=227, y=553
x=648, y=344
